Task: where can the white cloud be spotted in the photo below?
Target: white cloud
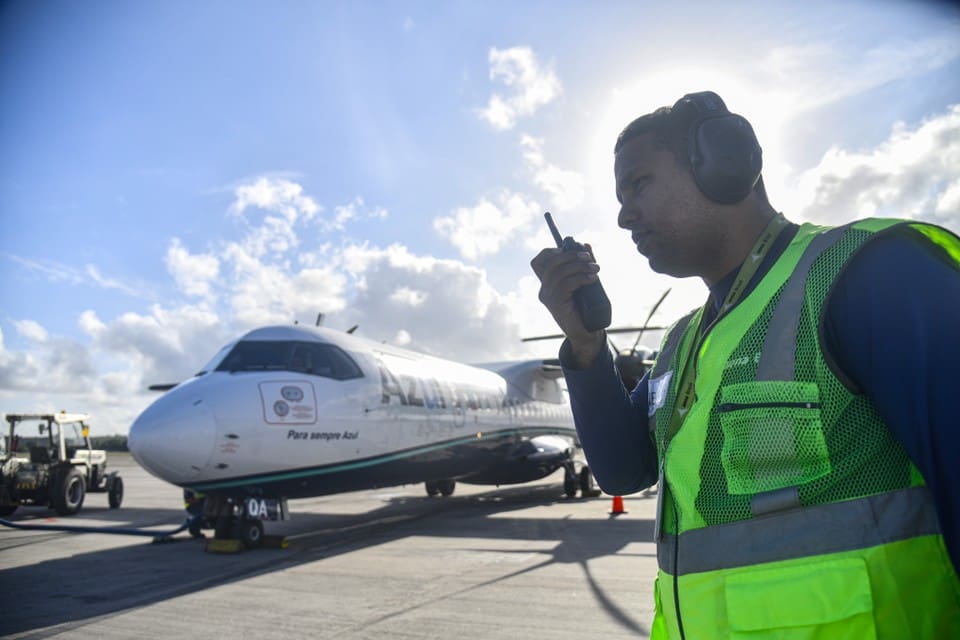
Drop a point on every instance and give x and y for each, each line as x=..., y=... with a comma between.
x=800, y=68
x=275, y=194
x=88, y=276
x=109, y=375
x=278, y=196
x=91, y=324
x=915, y=174
x=463, y=316
x=948, y=202
x=31, y=330
x=486, y=227
x=193, y=273
x=272, y=292
x=112, y=283
x=565, y=189
x=352, y=211
x=162, y=346
x=53, y=271
x=409, y=297
x=55, y=365
x=531, y=86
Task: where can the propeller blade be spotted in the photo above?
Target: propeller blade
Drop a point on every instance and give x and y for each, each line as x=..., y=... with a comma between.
x=649, y=317
x=646, y=327
x=556, y=336
x=633, y=329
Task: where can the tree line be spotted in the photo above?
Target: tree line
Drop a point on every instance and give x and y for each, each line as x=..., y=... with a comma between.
x=109, y=443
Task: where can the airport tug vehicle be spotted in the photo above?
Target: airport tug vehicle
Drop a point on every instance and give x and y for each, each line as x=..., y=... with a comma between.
x=54, y=468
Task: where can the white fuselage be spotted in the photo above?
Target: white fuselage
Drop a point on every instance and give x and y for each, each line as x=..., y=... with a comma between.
x=345, y=409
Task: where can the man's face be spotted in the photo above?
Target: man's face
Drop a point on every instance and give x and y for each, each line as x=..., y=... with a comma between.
x=670, y=221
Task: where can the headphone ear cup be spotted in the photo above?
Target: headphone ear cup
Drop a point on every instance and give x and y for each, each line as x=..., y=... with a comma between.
x=725, y=157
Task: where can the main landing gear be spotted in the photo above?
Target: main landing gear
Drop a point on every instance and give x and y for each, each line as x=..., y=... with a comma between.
x=444, y=487
x=582, y=481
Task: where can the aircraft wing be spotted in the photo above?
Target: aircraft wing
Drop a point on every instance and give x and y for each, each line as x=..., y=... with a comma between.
x=531, y=379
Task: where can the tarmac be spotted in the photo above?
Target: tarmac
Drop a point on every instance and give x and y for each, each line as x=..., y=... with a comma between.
x=511, y=562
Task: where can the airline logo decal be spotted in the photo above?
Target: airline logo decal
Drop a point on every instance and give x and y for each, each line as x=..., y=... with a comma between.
x=290, y=402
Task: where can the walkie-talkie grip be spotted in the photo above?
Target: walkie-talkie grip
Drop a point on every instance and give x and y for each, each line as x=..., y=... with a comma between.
x=591, y=300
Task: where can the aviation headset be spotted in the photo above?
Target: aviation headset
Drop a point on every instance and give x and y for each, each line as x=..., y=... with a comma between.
x=724, y=153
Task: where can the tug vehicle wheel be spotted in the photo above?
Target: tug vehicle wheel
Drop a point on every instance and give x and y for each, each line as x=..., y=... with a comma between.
x=115, y=495
x=68, y=495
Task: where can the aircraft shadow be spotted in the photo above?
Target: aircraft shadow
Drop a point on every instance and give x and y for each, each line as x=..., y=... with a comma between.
x=74, y=591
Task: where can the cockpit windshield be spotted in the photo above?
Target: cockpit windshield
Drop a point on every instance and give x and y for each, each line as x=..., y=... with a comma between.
x=311, y=358
x=215, y=360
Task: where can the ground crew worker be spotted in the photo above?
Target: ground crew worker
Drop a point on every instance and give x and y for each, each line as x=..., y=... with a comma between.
x=801, y=425
x=194, y=502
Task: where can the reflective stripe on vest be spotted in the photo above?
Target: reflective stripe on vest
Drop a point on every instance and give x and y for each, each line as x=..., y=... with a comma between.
x=778, y=357
x=806, y=531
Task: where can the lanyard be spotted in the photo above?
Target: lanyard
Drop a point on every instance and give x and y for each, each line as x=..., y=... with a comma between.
x=687, y=386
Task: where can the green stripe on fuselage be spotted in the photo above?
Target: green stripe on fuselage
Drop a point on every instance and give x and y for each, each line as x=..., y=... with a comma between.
x=370, y=462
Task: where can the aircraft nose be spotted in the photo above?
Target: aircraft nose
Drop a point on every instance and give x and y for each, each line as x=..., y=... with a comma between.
x=174, y=438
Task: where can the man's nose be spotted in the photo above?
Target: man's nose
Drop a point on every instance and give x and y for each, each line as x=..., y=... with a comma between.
x=625, y=217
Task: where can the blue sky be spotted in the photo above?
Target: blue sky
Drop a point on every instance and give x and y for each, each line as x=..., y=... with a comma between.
x=175, y=173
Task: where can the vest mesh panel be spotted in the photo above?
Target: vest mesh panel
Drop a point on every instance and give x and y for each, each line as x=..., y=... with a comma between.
x=810, y=433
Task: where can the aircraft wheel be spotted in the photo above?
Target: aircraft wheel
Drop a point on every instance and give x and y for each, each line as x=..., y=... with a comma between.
x=115, y=495
x=223, y=528
x=570, y=484
x=588, y=488
x=433, y=488
x=251, y=533
x=68, y=495
x=447, y=487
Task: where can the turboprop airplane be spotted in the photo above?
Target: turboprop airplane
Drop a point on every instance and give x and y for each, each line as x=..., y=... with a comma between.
x=290, y=412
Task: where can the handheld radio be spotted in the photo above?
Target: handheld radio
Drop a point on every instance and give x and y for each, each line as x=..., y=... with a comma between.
x=590, y=300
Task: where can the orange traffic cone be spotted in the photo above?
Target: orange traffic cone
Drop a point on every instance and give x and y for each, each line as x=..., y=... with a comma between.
x=617, y=506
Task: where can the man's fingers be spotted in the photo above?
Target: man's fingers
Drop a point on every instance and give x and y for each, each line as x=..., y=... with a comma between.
x=550, y=260
x=561, y=273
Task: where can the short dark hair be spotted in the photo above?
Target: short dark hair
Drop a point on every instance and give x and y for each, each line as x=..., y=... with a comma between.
x=670, y=127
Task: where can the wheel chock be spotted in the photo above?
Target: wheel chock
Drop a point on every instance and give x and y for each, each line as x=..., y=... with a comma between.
x=275, y=542
x=223, y=546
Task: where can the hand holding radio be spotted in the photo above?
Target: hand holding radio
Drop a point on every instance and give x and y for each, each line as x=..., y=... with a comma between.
x=590, y=300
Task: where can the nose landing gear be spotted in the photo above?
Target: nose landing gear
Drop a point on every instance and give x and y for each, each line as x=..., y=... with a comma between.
x=238, y=524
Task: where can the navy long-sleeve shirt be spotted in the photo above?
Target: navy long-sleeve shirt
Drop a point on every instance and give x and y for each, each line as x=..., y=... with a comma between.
x=891, y=327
